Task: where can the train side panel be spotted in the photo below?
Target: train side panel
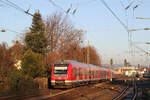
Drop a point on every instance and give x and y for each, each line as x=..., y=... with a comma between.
x=75, y=73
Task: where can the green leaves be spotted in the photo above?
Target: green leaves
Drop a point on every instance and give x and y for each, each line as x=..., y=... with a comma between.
x=35, y=39
x=32, y=64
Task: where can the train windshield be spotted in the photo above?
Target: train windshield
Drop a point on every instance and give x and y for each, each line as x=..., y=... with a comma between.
x=60, y=68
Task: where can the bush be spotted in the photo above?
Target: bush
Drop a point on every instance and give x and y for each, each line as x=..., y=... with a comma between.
x=32, y=64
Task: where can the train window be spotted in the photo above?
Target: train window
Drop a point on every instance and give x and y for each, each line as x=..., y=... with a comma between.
x=79, y=72
x=87, y=72
x=75, y=71
x=93, y=72
x=97, y=73
x=84, y=72
x=60, y=68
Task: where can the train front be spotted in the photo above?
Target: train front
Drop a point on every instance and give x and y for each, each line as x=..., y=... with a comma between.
x=61, y=75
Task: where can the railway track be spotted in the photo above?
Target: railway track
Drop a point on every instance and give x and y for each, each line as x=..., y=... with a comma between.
x=128, y=93
x=121, y=94
x=42, y=95
x=131, y=95
x=74, y=93
x=87, y=92
x=98, y=92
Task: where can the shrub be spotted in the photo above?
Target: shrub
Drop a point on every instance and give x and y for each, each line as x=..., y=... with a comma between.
x=32, y=64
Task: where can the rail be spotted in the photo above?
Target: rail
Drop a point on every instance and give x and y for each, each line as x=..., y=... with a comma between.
x=131, y=95
x=122, y=92
x=135, y=92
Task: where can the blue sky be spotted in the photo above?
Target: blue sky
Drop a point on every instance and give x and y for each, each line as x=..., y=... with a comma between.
x=103, y=30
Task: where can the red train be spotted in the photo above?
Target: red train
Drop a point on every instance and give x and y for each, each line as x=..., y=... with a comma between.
x=69, y=73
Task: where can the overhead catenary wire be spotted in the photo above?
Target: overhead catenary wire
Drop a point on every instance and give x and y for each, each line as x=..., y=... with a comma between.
x=19, y=8
x=129, y=5
x=6, y=3
x=136, y=6
x=65, y=11
x=125, y=26
x=56, y=5
x=15, y=6
x=105, y=4
x=6, y=29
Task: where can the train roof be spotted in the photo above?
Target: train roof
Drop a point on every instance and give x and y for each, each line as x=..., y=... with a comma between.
x=75, y=62
x=65, y=61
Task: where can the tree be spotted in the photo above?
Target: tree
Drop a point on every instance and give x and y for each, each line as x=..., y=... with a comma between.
x=94, y=57
x=49, y=59
x=32, y=64
x=6, y=64
x=17, y=50
x=73, y=53
x=35, y=39
x=61, y=32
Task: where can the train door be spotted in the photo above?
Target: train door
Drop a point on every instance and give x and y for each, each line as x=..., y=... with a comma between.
x=77, y=70
x=83, y=73
x=90, y=74
x=87, y=74
x=73, y=73
x=106, y=75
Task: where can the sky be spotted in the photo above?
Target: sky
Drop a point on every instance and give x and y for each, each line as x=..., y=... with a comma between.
x=104, y=31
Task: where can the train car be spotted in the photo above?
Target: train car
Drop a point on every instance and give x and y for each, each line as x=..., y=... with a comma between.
x=69, y=73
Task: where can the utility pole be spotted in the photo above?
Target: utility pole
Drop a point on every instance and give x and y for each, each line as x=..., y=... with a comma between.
x=111, y=63
x=88, y=53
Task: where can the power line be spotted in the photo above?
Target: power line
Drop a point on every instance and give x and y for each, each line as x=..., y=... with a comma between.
x=8, y=4
x=13, y=5
x=136, y=6
x=65, y=11
x=5, y=29
x=129, y=5
x=126, y=28
x=54, y=4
